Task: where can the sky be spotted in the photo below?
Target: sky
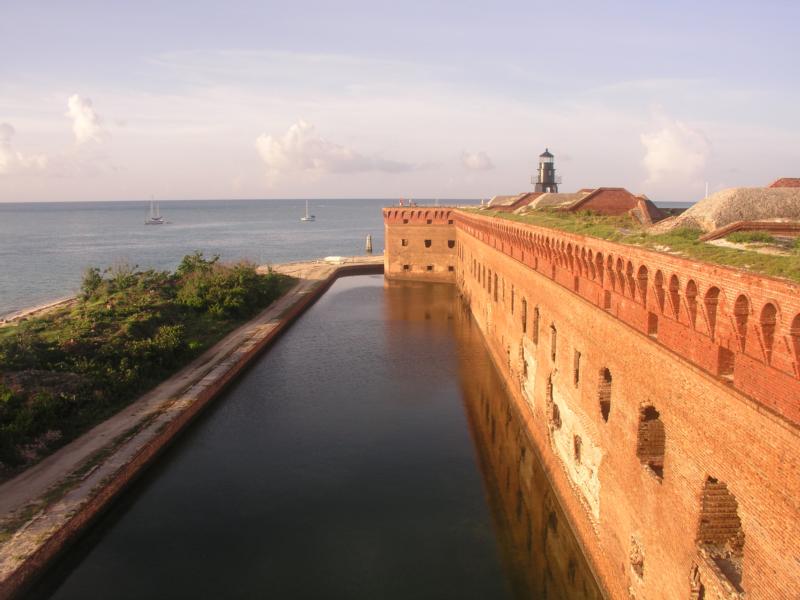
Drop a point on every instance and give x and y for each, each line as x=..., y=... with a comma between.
x=371, y=99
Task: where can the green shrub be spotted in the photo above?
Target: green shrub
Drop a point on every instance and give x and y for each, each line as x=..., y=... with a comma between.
x=92, y=280
x=128, y=330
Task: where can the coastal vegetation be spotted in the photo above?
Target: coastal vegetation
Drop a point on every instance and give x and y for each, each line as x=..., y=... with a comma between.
x=683, y=242
x=128, y=329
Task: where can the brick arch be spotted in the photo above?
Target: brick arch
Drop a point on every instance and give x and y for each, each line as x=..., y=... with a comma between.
x=711, y=307
x=691, y=301
x=794, y=337
x=630, y=281
x=768, y=322
x=621, y=275
x=741, y=314
x=642, y=282
x=658, y=286
x=590, y=265
x=610, y=270
x=598, y=260
x=674, y=295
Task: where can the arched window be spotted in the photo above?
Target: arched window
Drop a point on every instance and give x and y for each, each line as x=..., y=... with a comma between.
x=536, y=325
x=553, y=340
x=604, y=393
x=720, y=531
x=651, y=443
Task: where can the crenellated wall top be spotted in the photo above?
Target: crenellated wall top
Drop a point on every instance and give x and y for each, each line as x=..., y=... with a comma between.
x=419, y=215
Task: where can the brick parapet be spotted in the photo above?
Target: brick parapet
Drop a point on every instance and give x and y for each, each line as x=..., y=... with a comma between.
x=739, y=326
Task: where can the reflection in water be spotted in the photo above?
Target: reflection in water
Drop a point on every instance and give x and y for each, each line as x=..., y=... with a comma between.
x=540, y=553
x=343, y=465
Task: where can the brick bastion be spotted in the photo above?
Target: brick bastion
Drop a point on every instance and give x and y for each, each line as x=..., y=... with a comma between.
x=662, y=395
x=46, y=508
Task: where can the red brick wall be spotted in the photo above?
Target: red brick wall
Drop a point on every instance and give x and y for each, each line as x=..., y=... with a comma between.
x=408, y=255
x=614, y=304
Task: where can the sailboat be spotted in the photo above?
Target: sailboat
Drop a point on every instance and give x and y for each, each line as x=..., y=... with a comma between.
x=155, y=217
x=308, y=217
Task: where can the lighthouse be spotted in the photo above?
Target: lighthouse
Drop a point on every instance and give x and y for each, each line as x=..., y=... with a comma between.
x=546, y=176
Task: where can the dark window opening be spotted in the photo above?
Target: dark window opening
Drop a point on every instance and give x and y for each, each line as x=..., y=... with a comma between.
x=604, y=393
x=427, y=243
x=451, y=268
x=576, y=368
x=430, y=267
x=406, y=267
x=536, y=325
x=451, y=243
x=576, y=448
x=404, y=242
x=553, y=340
x=524, y=315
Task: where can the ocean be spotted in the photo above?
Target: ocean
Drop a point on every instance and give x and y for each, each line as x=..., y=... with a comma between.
x=45, y=247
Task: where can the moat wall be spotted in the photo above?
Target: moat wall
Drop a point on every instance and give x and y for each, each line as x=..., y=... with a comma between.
x=662, y=394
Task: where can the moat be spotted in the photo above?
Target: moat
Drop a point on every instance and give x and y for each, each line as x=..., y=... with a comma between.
x=372, y=452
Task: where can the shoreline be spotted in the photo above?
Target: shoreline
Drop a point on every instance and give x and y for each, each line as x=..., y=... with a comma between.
x=37, y=309
x=47, y=507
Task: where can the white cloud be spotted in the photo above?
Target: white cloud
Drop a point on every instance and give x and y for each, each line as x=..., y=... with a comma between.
x=675, y=154
x=14, y=162
x=476, y=161
x=301, y=148
x=86, y=123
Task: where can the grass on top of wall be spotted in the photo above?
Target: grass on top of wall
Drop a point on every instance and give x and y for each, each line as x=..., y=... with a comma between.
x=679, y=242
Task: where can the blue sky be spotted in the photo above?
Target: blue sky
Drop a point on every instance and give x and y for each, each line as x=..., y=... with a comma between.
x=121, y=100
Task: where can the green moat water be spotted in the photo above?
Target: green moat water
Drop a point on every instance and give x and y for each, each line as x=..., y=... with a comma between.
x=371, y=453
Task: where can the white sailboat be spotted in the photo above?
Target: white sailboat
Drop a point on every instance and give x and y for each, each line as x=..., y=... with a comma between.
x=155, y=217
x=308, y=217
